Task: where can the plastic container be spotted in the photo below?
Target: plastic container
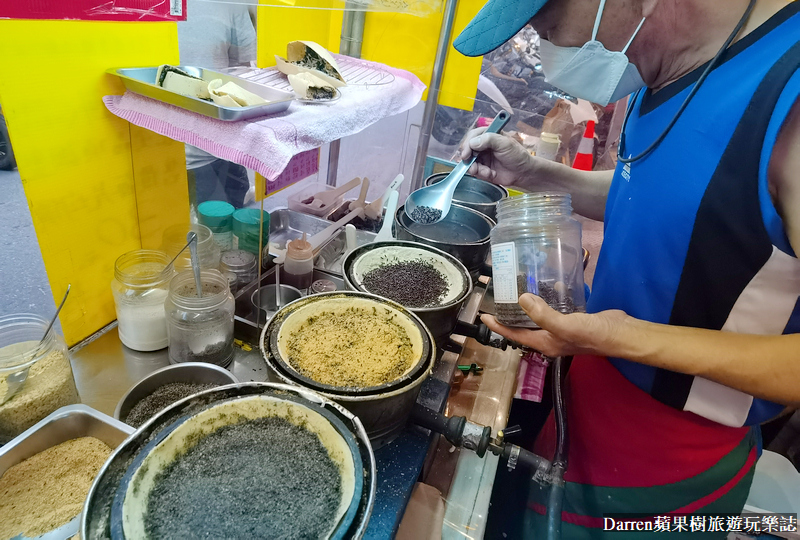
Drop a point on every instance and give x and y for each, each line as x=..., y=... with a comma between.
x=246, y=228
x=536, y=247
x=218, y=216
x=174, y=239
x=241, y=265
x=548, y=146
x=140, y=285
x=295, y=201
x=50, y=384
x=200, y=329
x=298, y=269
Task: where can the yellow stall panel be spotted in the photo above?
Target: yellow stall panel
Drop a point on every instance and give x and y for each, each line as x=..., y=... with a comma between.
x=75, y=158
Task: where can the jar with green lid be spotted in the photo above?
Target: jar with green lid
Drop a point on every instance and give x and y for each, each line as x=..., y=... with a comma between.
x=140, y=284
x=50, y=384
x=200, y=328
x=536, y=248
x=246, y=228
x=218, y=216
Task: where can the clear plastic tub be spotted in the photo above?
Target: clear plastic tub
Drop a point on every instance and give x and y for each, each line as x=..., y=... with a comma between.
x=300, y=201
x=140, y=284
x=536, y=248
x=50, y=384
x=200, y=329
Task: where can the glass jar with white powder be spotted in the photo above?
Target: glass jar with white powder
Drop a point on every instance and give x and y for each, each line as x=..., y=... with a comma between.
x=140, y=287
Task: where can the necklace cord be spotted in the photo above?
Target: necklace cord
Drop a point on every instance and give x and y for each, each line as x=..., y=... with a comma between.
x=711, y=65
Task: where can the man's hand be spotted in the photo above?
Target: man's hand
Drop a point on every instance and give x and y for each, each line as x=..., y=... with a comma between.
x=503, y=160
x=562, y=335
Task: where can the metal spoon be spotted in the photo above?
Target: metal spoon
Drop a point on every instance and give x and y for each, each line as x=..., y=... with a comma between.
x=431, y=204
x=16, y=381
x=191, y=239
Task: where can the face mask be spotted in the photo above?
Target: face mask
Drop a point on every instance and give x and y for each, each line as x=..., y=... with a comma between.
x=591, y=72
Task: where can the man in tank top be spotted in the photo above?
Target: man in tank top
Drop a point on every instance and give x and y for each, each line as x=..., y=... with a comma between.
x=692, y=336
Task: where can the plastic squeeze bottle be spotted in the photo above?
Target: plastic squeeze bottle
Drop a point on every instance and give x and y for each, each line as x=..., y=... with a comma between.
x=298, y=268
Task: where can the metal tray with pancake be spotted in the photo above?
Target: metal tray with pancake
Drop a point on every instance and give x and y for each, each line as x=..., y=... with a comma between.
x=143, y=81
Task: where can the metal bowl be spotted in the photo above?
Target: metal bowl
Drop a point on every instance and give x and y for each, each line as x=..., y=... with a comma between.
x=441, y=319
x=187, y=372
x=268, y=300
x=474, y=193
x=463, y=233
x=383, y=409
x=98, y=520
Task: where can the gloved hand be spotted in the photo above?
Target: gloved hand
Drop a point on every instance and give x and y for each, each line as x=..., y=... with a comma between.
x=503, y=160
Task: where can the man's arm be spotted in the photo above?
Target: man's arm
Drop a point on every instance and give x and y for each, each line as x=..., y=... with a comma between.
x=784, y=176
x=763, y=366
x=504, y=161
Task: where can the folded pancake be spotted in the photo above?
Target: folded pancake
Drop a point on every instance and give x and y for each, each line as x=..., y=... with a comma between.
x=309, y=86
x=310, y=57
x=232, y=95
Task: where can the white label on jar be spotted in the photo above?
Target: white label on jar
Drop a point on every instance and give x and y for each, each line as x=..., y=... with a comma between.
x=234, y=241
x=504, y=273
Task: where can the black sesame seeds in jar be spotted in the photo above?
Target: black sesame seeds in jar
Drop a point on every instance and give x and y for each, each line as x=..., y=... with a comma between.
x=536, y=248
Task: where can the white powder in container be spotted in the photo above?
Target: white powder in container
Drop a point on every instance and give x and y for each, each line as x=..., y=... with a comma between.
x=142, y=321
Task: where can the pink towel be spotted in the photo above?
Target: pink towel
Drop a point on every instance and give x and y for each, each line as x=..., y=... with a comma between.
x=267, y=144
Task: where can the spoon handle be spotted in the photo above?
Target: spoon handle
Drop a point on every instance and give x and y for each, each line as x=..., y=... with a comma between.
x=53, y=320
x=496, y=126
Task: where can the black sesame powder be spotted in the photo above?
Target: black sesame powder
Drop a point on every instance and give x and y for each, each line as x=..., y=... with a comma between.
x=426, y=215
x=263, y=478
x=161, y=398
x=513, y=315
x=413, y=284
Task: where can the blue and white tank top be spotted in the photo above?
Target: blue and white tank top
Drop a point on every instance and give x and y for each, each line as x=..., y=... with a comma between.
x=692, y=237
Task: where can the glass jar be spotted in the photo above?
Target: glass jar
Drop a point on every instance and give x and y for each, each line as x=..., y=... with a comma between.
x=50, y=384
x=240, y=267
x=200, y=329
x=536, y=248
x=218, y=216
x=208, y=251
x=140, y=285
x=246, y=227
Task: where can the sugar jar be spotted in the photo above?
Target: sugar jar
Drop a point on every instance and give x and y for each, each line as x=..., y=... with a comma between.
x=140, y=284
x=200, y=328
x=49, y=385
x=536, y=248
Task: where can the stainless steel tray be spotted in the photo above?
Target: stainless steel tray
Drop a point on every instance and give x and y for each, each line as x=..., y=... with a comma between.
x=66, y=423
x=285, y=225
x=142, y=81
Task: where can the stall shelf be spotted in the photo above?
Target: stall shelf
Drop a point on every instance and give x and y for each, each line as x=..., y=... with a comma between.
x=268, y=144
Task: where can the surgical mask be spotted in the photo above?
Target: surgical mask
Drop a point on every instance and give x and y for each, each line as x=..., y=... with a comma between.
x=591, y=72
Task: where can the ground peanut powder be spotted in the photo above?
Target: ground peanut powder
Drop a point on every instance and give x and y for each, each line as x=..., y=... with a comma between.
x=49, y=386
x=48, y=489
x=355, y=348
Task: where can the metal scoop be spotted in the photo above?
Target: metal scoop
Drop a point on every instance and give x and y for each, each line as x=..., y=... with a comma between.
x=431, y=204
x=16, y=381
x=191, y=240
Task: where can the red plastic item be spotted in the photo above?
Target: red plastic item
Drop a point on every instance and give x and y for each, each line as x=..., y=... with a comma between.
x=584, y=158
x=484, y=121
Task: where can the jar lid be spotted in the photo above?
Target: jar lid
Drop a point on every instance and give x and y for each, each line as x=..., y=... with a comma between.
x=215, y=213
x=299, y=249
x=323, y=285
x=238, y=260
